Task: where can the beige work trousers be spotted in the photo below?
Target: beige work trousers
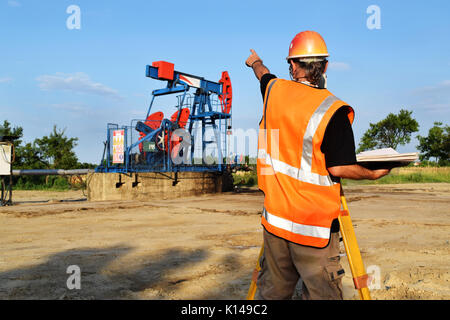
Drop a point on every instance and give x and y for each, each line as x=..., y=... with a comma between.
x=284, y=263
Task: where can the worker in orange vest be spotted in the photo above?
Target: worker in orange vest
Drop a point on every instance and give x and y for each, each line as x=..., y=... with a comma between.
x=305, y=145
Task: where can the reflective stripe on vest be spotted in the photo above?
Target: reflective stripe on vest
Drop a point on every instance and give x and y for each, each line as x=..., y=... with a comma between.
x=301, y=229
x=296, y=173
x=301, y=200
x=303, y=173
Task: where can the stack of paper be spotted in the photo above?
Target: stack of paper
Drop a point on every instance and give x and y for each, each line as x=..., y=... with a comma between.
x=385, y=158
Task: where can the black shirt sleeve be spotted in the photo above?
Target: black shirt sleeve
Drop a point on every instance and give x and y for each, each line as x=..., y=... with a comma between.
x=265, y=81
x=338, y=143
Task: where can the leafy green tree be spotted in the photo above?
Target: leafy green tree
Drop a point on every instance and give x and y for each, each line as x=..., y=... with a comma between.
x=394, y=130
x=53, y=151
x=85, y=165
x=57, y=149
x=26, y=157
x=436, y=144
x=29, y=157
x=7, y=130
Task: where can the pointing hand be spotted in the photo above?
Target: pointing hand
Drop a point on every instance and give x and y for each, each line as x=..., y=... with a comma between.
x=252, y=58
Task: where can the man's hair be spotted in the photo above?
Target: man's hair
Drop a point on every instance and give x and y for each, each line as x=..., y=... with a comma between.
x=313, y=70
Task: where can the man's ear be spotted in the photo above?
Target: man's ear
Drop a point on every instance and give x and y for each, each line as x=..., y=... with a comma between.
x=293, y=65
x=326, y=67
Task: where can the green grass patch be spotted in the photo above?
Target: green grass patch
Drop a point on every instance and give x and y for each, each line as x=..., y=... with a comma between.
x=409, y=175
x=53, y=183
x=397, y=176
x=247, y=179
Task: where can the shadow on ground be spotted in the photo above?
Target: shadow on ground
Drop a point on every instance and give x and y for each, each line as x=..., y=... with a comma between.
x=106, y=275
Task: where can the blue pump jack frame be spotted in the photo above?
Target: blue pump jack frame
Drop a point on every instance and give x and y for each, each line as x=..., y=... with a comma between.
x=201, y=110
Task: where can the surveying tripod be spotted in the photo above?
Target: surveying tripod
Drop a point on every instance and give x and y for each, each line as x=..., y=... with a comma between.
x=360, y=277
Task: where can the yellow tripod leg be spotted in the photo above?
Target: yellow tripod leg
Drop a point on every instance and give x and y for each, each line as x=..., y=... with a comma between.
x=252, y=289
x=360, y=277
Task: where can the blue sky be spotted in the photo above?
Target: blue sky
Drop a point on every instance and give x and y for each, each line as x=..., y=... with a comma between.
x=83, y=79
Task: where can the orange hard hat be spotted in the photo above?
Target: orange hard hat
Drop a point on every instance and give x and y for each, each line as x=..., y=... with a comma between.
x=307, y=44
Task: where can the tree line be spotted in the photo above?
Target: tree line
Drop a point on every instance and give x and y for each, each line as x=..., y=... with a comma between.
x=56, y=150
x=396, y=129
x=53, y=151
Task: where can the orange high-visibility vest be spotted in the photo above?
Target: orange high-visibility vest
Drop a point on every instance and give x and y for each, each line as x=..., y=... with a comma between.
x=301, y=200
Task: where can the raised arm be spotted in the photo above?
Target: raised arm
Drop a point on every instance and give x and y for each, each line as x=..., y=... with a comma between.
x=255, y=62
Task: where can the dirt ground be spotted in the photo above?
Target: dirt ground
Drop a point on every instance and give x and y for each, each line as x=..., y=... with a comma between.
x=206, y=247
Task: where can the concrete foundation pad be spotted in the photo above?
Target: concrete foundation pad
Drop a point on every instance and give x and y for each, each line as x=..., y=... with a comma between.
x=154, y=185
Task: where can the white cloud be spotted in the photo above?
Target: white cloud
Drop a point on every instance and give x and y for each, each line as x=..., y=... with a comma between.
x=6, y=80
x=13, y=3
x=338, y=66
x=78, y=82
